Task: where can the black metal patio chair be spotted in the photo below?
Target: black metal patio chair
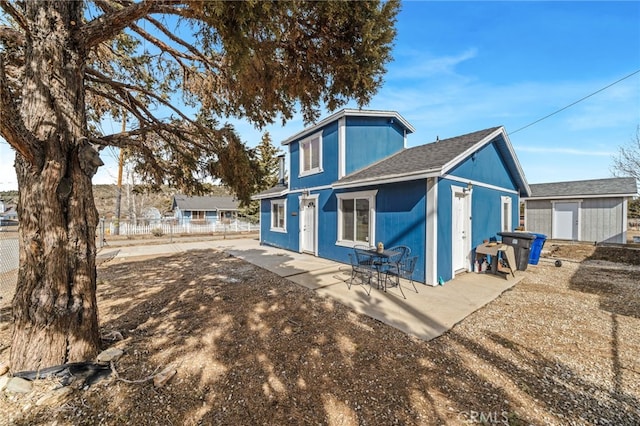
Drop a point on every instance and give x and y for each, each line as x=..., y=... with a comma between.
x=402, y=270
x=362, y=267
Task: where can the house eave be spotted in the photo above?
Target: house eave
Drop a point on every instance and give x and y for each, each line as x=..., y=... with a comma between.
x=270, y=195
x=349, y=113
x=526, y=190
x=574, y=196
x=423, y=174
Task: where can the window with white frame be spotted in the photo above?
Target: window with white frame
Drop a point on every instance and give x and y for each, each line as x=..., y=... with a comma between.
x=311, y=154
x=356, y=217
x=278, y=215
x=507, y=214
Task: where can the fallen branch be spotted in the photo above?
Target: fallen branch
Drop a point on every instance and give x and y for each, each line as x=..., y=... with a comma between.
x=146, y=379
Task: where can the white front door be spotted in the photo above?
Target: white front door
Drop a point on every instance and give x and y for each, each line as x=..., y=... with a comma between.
x=308, y=220
x=565, y=221
x=461, y=229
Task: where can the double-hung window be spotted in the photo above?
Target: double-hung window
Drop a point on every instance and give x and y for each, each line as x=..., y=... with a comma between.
x=278, y=215
x=311, y=154
x=507, y=214
x=356, y=217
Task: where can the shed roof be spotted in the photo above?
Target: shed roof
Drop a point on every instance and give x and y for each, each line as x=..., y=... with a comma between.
x=436, y=159
x=610, y=187
x=205, y=203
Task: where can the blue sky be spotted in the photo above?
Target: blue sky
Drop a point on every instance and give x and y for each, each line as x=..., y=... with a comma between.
x=465, y=66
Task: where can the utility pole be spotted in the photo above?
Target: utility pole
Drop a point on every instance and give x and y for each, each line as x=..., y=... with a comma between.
x=116, y=225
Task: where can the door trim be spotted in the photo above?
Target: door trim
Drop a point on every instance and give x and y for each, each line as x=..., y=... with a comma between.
x=554, y=232
x=467, y=215
x=303, y=200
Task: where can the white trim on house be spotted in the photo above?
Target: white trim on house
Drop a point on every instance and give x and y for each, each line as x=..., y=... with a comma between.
x=371, y=196
x=273, y=217
x=506, y=227
x=284, y=191
x=301, y=157
x=301, y=200
x=431, y=248
x=467, y=228
x=342, y=147
x=417, y=176
x=479, y=184
x=347, y=113
x=388, y=179
x=572, y=197
x=485, y=141
x=469, y=151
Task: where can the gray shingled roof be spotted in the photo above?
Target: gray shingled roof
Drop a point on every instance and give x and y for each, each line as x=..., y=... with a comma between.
x=271, y=192
x=206, y=203
x=420, y=159
x=586, y=188
x=433, y=158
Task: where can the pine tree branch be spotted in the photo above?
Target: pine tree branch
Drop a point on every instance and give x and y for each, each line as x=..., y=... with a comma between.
x=15, y=14
x=131, y=103
x=196, y=54
x=115, y=20
x=12, y=127
x=11, y=37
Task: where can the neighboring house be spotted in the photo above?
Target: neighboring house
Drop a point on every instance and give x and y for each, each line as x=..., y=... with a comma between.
x=202, y=210
x=353, y=181
x=587, y=210
x=8, y=213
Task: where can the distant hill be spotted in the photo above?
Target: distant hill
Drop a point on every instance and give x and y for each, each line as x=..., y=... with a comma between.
x=133, y=199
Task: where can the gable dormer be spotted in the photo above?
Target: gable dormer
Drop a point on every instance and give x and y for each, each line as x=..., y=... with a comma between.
x=343, y=143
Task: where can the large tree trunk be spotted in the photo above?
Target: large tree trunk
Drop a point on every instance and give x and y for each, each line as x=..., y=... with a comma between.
x=54, y=308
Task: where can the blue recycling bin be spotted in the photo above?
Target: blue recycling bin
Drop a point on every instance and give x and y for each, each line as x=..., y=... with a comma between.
x=536, y=248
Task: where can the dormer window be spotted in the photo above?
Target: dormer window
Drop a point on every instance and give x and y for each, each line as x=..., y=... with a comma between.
x=311, y=154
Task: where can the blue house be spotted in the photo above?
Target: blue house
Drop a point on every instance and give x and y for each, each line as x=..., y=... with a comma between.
x=353, y=180
x=204, y=209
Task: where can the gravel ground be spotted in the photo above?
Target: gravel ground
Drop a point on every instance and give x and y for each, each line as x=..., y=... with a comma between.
x=251, y=348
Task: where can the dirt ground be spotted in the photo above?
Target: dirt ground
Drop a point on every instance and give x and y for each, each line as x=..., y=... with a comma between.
x=252, y=348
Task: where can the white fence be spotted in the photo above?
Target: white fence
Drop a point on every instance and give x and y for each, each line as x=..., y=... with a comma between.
x=172, y=227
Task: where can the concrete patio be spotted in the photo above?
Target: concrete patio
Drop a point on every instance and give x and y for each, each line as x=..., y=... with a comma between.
x=426, y=314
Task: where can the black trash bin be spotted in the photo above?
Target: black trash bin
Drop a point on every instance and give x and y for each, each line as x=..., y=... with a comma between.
x=521, y=243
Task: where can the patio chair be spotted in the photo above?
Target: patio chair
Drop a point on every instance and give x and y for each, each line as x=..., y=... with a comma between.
x=402, y=270
x=362, y=267
x=405, y=251
x=401, y=254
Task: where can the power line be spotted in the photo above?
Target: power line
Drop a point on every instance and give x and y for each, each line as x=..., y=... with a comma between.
x=578, y=101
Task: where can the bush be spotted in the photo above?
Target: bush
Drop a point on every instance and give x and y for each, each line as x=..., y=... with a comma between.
x=157, y=232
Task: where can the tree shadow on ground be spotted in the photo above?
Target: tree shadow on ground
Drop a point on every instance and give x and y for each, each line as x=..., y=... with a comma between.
x=611, y=274
x=615, y=284
x=567, y=393
x=253, y=348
